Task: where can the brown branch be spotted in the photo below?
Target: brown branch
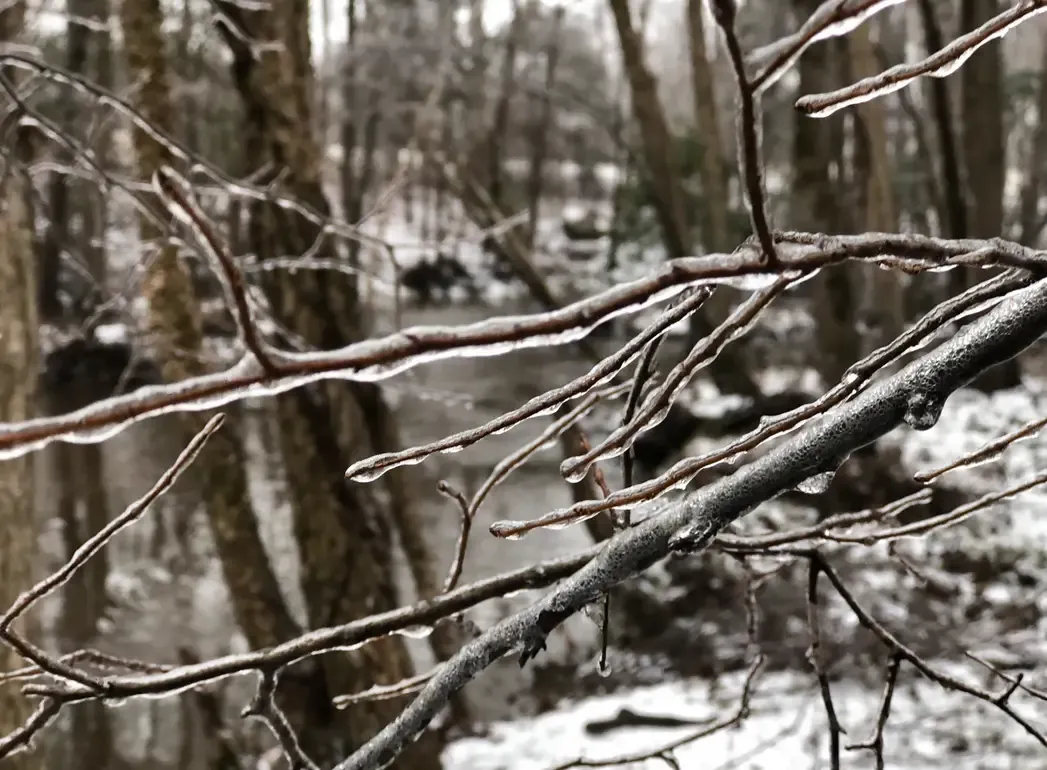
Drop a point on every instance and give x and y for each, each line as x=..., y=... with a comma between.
x=177, y=195
x=749, y=128
x=263, y=707
x=875, y=743
x=832, y=18
x=940, y=64
x=986, y=454
x=815, y=657
x=379, y=692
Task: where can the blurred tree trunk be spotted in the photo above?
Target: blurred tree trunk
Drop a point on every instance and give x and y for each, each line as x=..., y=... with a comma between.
x=985, y=158
x=729, y=370
x=715, y=172
x=882, y=301
x=19, y=365
x=342, y=531
x=80, y=472
x=175, y=327
x=540, y=129
x=1031, y=222
x=68, y=194
x=815, y=207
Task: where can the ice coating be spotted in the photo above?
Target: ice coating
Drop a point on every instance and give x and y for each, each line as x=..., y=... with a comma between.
x=374, y=467
x=941, y=64
x=692, y=523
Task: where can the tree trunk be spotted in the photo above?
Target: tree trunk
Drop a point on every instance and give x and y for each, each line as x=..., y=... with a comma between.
x=882, y=302
x=19, y=365
x=342, y=533
x=728, y=371
x=985, y=158
x=175, y=326
x=816, y=208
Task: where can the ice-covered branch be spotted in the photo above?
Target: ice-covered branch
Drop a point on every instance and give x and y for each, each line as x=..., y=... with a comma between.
x=378, y=359
x=940, y=64
x=914, y=396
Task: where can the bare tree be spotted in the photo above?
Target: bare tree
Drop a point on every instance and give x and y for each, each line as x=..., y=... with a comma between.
x=324, y=383
x=19, y=355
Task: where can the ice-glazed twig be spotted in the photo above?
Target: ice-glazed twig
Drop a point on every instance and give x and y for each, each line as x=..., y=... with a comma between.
x=655, y=407
x=875, y=743
x=177, y=195
x=130, y=515
x=940, y=64
x=381, y=358
x=346, y=636
x=854, y=379
x=83, y=554
x=942, y=520
x=691, y=524
x=986, y=454
x=384, y=691
x=21, y=739
x=264, y=708
x=542, y=404
x=454, y=572
x=833, y=18
x=752, y=544
x=749, y=130
x=815, y=656
x=514, y=529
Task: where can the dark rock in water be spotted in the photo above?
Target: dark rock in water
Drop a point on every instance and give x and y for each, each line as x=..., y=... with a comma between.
x=429, y=278
x=85, y=370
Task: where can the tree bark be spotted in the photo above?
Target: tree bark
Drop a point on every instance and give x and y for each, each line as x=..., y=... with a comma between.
x=19, y=365
x=985, y=157
x=882, y=302
x=342, y=532
x=729, y=370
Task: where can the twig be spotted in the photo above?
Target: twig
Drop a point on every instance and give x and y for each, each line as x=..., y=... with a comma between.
x=263, y=707
x=384, y=691
x=814, y=657
x=21, y=738
x=348, y=635
x=454, y=572
x=942, y=520
x=84, y=553
x=539, y=404
x=833, y=18
x=749, y=128
x=853, y=380
x=177, y=196
x=690, y=524
x=875, y=743
x=987, y=453
x=1000, y=700
x=656, y=405
x=940, y=64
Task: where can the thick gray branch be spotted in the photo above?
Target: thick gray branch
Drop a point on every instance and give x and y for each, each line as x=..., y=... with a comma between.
x=914, y=395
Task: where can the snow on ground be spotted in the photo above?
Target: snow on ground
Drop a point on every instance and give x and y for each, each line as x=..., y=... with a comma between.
x=786, y=728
